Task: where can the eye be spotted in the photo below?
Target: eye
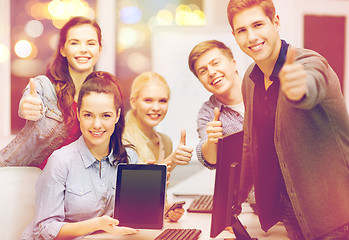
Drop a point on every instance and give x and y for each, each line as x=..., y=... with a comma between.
x=87, y=115
x=215, y=63
x=107, y=115
x=148, y=100
x=163, y=101
x=202, y=71
x=240, y=31
x=92, y=43
x=73, y=43
x=258, y=25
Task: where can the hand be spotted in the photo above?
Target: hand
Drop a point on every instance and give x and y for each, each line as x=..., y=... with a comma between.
x=183, y=153
x=110, y=225
x=214, y=128
x=293, y=77
x=30, y=106
x=168, y=173
x=175, y=215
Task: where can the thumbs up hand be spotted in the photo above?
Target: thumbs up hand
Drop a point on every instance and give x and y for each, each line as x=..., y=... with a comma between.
x=183, y=153
x=30, y=106
x=293, y=77
x=214, y=128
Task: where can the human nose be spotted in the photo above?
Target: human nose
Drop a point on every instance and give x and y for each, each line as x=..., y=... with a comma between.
x=211, y=70
x=97, y=123
x=251, y=35
x=155, y=106
x=83, y=48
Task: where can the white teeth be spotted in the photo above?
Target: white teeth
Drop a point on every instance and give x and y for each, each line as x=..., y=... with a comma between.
x=216, y=81
x=154, y=116
x=97, y=134
x=256, y=46
x=82, y=59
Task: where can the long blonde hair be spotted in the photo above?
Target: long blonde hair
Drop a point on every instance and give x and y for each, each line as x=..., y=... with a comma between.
x=133, y=134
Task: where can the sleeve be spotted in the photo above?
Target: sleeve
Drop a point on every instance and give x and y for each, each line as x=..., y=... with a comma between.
x=205, y=115
x=50, y=189
x=246, y=182
x=39, y=87
x=319, y=76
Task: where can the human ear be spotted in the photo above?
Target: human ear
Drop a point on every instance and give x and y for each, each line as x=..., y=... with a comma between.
x=118, y=116
x=62, y=52
x=277, y=22
x=133, y=103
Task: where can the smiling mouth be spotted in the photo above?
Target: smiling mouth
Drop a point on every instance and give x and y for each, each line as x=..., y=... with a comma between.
x=257, y=47
x=154, y=116
x=82, y=59
x=216, y=81
x=97, y=134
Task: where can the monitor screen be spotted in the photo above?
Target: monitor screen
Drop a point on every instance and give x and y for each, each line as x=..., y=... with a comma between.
x=228, y=167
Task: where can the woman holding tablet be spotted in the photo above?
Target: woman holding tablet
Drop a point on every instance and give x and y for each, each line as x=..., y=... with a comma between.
x=149, y=98
x=75, y=192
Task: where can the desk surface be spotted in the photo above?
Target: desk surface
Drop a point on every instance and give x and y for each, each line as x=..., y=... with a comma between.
x=202, y=221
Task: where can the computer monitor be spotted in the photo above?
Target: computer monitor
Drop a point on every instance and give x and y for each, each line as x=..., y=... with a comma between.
x=226, y=190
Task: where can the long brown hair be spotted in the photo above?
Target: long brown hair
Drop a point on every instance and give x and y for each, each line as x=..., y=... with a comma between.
x=104, y=82
x=58, y=71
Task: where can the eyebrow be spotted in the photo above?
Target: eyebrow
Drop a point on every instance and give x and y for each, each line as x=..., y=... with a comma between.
x=77, y=40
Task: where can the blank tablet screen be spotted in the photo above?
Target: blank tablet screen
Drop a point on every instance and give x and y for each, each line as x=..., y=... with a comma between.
x=140, y=195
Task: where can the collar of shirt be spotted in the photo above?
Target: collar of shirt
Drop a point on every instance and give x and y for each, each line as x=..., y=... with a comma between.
x=217, y=103
x=257, y=74
x=87, y=156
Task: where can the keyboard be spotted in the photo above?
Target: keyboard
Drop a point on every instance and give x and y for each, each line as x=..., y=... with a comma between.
x=201, y=204
x=179, y=234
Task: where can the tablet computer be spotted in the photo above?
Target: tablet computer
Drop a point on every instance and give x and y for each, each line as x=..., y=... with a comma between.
x=140, y=195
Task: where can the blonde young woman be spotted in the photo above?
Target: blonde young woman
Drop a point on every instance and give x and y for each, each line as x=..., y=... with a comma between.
x=149, y=98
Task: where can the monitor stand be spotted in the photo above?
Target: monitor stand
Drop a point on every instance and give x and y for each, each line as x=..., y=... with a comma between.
x=238, y=229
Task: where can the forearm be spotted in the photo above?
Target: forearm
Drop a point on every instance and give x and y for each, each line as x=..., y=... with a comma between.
x=209, y=152
x=71, y=230
x=171, y=158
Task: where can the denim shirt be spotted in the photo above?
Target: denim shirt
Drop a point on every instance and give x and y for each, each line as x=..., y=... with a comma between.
x=73, y=187
x=38, y=139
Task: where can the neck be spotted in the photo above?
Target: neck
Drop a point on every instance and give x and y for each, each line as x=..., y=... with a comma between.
x=146, y=130
x=234, y=96
x=267, y=65
x=99, y=151
x=78, y=79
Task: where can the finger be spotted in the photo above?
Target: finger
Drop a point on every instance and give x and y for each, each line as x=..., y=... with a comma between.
x=216, y=114
x=151, y=162
x=32, y=87
x=291, y=55
x=183, y=136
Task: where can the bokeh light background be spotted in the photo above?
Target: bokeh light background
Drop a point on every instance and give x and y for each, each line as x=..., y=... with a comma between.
x=35, y=26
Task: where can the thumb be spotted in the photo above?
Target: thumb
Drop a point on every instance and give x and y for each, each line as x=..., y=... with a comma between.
x=183, y=136
x=32, y=87
x=291, y=55
x=217, y=113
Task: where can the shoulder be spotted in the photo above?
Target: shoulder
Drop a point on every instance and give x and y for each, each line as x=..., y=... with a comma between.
x=208, y=106
x=64, y=155
x=132, y=155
